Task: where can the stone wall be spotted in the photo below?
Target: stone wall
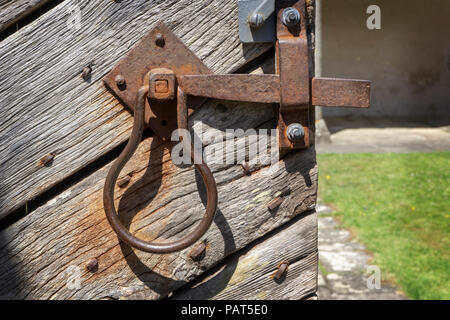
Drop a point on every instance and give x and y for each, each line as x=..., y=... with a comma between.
x=408, y=60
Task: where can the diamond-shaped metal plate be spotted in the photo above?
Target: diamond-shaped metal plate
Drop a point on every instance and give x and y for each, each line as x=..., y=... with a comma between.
x=160, y=116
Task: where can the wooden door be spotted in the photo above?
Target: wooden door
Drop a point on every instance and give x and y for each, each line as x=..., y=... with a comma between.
x=59, y=133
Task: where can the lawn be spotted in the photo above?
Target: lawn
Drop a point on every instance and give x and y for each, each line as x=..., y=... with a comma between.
x=398, y=206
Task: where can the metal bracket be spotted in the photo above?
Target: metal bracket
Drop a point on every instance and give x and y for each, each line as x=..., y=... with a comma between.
x=163, y=62
x=293, y=87
x=256, y=20
x=157, y=76
x=158, y=59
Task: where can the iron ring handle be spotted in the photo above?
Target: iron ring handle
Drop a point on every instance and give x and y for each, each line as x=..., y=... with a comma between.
x=124, y=157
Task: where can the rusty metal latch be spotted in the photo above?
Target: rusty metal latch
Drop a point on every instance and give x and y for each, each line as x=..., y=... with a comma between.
x=160, y=79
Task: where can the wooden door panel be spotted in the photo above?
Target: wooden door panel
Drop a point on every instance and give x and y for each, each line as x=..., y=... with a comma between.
x=250, y=274
x=162, y=203
x=12, y=11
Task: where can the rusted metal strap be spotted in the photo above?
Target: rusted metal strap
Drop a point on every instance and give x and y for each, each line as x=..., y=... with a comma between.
x=293, y=66
x=292, y=58
x=237, y=87
x=329, y=92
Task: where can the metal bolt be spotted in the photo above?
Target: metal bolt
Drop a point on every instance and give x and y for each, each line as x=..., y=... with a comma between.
x=256, y=20
x=282, y=269
x=295, y=132
x=92, y=265
x=291, y=17
x=159, y=40
x=120, y=81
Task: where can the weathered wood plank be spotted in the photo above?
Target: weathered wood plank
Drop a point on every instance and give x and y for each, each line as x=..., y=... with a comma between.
x=47, y=107
x=161, y=203
x=12, y=11
x=249, y=274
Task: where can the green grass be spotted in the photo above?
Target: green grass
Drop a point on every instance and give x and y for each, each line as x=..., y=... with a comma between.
x=398, y=206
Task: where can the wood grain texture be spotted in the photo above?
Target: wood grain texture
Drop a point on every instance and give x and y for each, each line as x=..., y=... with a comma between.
x=161, y=203
x=249, y=274
x=12, y=11
x=48, y=108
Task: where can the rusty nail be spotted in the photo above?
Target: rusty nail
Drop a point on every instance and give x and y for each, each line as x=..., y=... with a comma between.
x=198, y=251
x=92, y=265
x=282, y=269
x=86, y=72
x=275, y=203
x=160, y=41
x=122, y=183
x=246, y=167
x=47, y=159
x=120, y=81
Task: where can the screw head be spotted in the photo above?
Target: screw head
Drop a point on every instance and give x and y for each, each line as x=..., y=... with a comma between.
x=295, y=132
x=291, y=17
x=256, y=20
x=159, y=40
x=120, y=81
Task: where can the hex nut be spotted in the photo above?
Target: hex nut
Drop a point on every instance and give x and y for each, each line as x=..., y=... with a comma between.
x=295, y=132
x=291, y=17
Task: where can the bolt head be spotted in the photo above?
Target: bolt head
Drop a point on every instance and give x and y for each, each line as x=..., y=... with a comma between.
x=256, y=20
x=120, y=80
x=159, y=40
x=295, y=132
x=291, y=17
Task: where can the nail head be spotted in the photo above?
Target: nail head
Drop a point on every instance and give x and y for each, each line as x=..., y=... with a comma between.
x=92, y=265
x=282, y=269
x=159, y=40
x=120, y=81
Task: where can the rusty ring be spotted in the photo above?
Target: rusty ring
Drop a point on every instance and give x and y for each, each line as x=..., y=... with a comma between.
x=133, y=143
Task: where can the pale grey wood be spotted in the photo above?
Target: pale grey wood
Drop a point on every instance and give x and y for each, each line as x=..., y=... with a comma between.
x=12, y=11
x=249, y=274
x=161, y=203
x=47, y=107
